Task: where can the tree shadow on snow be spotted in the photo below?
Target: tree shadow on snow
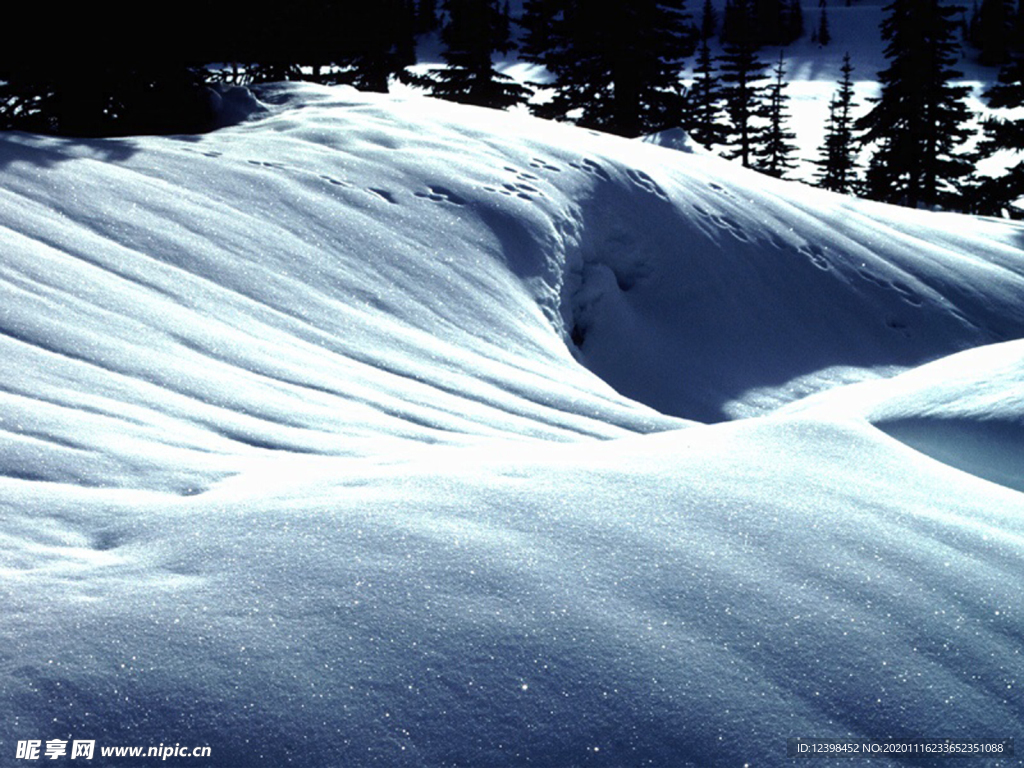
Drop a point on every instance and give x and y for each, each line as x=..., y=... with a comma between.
x=47, y=151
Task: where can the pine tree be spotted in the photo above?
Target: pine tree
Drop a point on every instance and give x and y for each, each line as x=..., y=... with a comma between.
x=426, y=17
x=776, y=156
x=475, y=29
x=997, y=195
x=706, y=125
x=838, y=162
x=794, y=21
x=742, y=73
x=378, y=42
x=824, y=34
x=826, y=176
x=736, y=21
x=769, y=22
x=992, y=31
x=920, y=118
x=708, y=21
x=616, y=64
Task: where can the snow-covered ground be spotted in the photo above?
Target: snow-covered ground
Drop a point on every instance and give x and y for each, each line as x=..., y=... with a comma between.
x=376, y=431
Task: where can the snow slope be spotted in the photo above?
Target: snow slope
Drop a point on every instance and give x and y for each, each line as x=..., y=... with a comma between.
x=389, y=432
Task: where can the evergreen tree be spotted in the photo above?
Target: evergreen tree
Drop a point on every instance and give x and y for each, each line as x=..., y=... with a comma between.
x=997, y=195
x=762, y=22
x=838, y=162
x=1018, y=28
x=769, y=22
x=992, y=31
x=826, y=176
x=736, y=21
x=794, y=21
x=475, y=29
x=505, y=37
x=776, y=156
x=742, y=73
x=426, y=17
x=708, y=21
x=706, y=125
x=378, y=41
x=824, y=34
x=920, y=118
x=616, y=64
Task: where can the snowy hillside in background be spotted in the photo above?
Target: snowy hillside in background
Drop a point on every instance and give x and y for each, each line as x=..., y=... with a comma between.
x=390, y=432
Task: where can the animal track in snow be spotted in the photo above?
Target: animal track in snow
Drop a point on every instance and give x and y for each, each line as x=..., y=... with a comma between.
x=383, y=194
x=871, y=278
x=441, y=195
x=897, y=324
x=594, y=169
x=514, y=190
x=335, y=182
x=265, y=164
x=521, y=174
x=817, y=256
x=731, y=226
x=209, y=153
x=646, y=183
x=544, y=165
x=906, y=293
x=520, y=187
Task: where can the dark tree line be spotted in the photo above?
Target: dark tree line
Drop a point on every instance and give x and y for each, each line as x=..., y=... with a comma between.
x=109, y=74
x=616, y=66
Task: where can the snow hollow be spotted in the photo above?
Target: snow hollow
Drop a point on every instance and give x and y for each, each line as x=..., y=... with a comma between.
x=374, y=431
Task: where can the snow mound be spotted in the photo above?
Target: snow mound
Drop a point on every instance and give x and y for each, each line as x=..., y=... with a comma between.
x=677, y=139
x=234, y=104
x=966, y=410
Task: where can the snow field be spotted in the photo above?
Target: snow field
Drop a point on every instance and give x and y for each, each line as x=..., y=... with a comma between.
x=390, y=432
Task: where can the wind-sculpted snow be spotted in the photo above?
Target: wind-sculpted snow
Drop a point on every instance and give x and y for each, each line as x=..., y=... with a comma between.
x=364, y=433
x=966, y=410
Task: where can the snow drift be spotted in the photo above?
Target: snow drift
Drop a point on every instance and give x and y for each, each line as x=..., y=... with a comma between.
x=389, y=432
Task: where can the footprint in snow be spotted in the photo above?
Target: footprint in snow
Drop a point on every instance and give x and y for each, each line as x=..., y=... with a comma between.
x=264, y=164
x=817, y=256
x=732, y=226
x=383, y=194
x=521, y=174
x=335, y=182
x=646, y=183
x=441, y=195
x=867, y=275
x=906, y=293
x=719, y=189
x=589, y=166
x=544, y=165
x=896, y=324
